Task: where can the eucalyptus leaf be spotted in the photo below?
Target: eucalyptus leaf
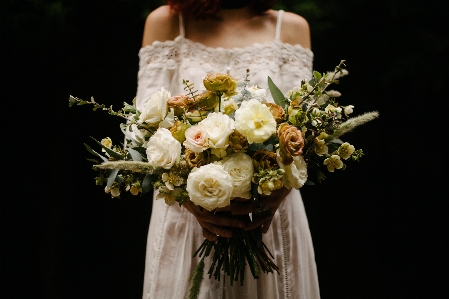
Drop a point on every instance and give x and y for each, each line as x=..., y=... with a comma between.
x=113, y=154
x=277, y=95
x=129, y=136
x=120, y=179
x=337, y=140
x=269, y=147
x=90, y=150
x=135, y=154
x=111, y=177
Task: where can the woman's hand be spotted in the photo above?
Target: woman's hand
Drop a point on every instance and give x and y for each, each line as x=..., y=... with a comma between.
x=271, y=201
x=213, y=225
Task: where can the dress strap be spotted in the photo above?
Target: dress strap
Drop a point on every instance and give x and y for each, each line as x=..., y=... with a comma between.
x=181, y=25
x=278, y=25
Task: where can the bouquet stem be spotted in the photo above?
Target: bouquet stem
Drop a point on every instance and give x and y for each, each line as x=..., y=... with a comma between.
x=231, y=255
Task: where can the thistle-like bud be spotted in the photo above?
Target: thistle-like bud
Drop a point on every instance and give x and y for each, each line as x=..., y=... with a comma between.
x=223, y=83
x=179, y=129
x=179, y=103
x=205, y=101
x=263, y=159
x=197, y=159
x=237, y=143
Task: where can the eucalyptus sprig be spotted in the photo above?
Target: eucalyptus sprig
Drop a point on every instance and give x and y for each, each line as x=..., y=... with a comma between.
x=128, y=112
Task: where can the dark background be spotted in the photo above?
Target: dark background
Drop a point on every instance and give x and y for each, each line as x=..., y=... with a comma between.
x=377, y=227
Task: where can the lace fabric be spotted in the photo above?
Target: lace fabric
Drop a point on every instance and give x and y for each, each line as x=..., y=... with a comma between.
x=173, y=54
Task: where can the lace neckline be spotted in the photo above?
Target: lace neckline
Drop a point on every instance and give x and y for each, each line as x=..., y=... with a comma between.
x=181, y=38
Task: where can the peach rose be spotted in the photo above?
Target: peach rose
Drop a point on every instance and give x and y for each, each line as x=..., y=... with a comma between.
x=291, y=142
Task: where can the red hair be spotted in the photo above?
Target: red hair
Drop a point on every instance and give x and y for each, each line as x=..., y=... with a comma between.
x=208, y=8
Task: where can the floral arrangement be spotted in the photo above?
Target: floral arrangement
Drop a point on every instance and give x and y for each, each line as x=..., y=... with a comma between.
x=225, y=143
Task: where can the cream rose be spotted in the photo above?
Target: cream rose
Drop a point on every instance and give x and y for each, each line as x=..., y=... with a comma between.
x=163, y=150
x=155, y=109
x=295, y=175
x=255, y=121
x=196, y=139
x=240, y=167
x=218, y=127
x=210, y=186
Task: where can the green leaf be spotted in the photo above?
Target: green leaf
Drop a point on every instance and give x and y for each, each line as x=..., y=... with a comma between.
x=277, y=95
x=317, y=75
x=113, y=154
x=135, y=154
x=93, y=160
x=337, y=140
x=129, y=136
x=90, y=150
x=146, y=184
x=111, y=177
x=309, y=182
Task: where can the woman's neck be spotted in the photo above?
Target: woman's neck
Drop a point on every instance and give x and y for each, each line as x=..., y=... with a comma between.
x=236, y=14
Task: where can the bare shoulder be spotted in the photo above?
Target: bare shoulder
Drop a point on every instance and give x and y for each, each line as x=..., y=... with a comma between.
x=295, y=30
x=161, y=24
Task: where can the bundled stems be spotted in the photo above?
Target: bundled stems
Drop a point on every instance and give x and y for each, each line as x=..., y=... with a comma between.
x=231, y=255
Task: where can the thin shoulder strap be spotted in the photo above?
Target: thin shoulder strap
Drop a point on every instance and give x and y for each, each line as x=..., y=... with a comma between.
x=278, y=25
x=181, y=25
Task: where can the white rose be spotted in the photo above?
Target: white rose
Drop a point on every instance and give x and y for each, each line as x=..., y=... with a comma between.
x=240, y=167
x=196, y=139
x=255, y=121
x=155, y=109
x=295, y=175
x=169, y=120
x=218, y=127
x=210, y=186
x=257, y=93
x=163, y=150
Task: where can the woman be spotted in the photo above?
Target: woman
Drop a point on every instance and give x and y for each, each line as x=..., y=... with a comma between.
x=186, y=40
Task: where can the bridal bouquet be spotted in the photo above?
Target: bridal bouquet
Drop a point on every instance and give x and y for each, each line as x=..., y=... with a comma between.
x=228, y=142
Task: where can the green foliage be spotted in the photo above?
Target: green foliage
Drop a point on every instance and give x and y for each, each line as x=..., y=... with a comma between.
x=277, y=95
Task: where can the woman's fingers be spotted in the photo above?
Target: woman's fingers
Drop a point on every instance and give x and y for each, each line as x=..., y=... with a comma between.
x=210, y=236
x=217, y=230
x=219, y=220
x=256, y=222
x=242, y=208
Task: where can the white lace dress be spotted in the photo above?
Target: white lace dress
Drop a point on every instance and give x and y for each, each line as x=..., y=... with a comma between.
x=174, y=233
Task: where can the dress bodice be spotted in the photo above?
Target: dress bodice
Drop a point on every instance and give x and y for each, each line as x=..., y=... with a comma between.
x=166, y=64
